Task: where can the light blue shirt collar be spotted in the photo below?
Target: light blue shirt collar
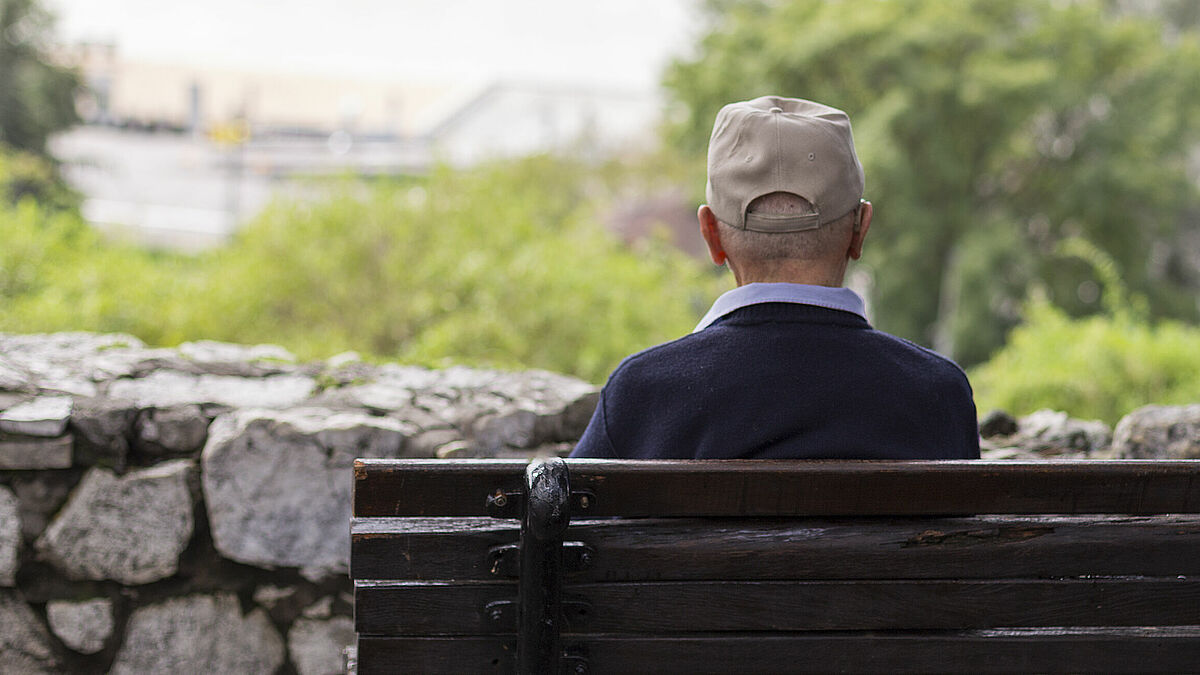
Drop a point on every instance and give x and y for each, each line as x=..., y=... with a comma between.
x=804, y=294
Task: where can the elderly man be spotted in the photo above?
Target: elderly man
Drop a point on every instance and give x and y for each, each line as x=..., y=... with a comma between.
x=786, y=364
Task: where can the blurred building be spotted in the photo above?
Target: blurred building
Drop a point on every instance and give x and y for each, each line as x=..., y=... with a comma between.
x=181, y=154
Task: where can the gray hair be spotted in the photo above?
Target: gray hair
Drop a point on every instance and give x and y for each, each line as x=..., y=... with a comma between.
x=751, y=247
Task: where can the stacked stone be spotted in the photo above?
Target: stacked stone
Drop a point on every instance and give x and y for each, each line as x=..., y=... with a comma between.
x=1150, y=432
x=187, y=509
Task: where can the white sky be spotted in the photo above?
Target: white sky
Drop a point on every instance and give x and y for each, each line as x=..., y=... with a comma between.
x=620, y=43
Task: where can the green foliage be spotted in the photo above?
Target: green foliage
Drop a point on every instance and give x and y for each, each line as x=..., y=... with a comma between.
x=37, y=97
x=56, y=274
x=1098, y=367
x=1101, y=366
x=23, y=174
x=503, y=266
x=989, y=132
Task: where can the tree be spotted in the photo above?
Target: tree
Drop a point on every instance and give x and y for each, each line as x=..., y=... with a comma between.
x=37, y=97
x=989, y=132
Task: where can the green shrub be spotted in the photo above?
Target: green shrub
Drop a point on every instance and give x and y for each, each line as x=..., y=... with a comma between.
x=26, y=175
x=503, y=265
x=57, y=274
x=1098, y=367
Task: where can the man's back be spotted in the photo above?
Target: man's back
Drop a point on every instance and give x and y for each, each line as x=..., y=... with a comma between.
x=786, y=364
x=785, y=380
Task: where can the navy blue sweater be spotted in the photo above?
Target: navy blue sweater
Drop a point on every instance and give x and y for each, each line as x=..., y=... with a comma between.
x=784, y=380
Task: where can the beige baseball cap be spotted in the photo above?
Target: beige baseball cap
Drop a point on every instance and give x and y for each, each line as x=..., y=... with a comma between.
x=775, y=144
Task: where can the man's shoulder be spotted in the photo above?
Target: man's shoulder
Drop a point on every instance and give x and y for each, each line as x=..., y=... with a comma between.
x=938, y=363
x=664, y=357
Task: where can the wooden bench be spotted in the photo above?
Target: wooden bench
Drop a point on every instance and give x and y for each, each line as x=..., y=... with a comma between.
x=776, y=566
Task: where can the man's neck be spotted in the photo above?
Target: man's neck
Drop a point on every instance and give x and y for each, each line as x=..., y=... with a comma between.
x=833, y=280
x=813, y=273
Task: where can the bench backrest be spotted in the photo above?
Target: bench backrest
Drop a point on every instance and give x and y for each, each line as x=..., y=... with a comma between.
x=770, y=566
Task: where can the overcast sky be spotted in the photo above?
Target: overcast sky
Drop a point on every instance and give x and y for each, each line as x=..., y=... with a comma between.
x=621, y=43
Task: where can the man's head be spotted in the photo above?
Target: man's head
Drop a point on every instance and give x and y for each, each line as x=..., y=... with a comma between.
x=784, y=192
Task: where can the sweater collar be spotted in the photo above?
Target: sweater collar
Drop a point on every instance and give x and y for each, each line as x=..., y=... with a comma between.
x=842, y=299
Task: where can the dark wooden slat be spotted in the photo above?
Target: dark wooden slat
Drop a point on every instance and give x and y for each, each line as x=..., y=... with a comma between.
x=1011, y=651
x=738, y=549
x=423, y=608
x=791, y=488
x=435, y=656
x=431, y=487
x=431, y=608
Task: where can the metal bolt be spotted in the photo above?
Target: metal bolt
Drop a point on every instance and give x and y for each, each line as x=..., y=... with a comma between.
x=499, y=499
x=581, y=669
x=584, y=502
x=496, y=614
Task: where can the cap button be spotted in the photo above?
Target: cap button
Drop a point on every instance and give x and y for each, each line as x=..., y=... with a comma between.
x=776, y=109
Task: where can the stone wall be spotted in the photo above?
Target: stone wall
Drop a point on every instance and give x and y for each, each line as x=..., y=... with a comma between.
x=186, y=510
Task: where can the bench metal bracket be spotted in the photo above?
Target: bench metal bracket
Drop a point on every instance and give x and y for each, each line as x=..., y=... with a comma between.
x=511, y=503
x=505, y=560
x=539, y=588
x=573, y=664
x=539, y=561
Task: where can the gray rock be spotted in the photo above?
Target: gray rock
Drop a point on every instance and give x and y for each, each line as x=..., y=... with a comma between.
x=130, y=529
x=378, y=396
x=1050, y=433
x=225, y=358
x=165, y=389
x=199, y=634
x=25, y=644
x=458, y=450
x=40, y=494
x=343, y=359
x=1047, y=433
x=427, y=443
x=110, y=364
x=103, y=428
x=30, y=452
x=8, y=399
x=998, y=423
x=83, y=626
x=44, y=416
x=171, y=431
x=269, y=596
x=1159, y=432
x=210, y=351
x=13, y=378
x=277, y=484
x=10, y=536
x=413, y=378
x=70, y=363
x=515, y=428
x=316, y=645
x=321, y=609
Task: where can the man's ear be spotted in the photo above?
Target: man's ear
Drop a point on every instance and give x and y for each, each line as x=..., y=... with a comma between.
x=865, y=211
x=711, y=234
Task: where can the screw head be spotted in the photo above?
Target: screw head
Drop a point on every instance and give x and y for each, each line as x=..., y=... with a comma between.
x=584, y=502
x=500, y=499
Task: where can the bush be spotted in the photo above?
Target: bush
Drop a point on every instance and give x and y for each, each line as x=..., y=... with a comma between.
x=503, y=266
x=26, y=175
x=57, y=274
x=1099, y=367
